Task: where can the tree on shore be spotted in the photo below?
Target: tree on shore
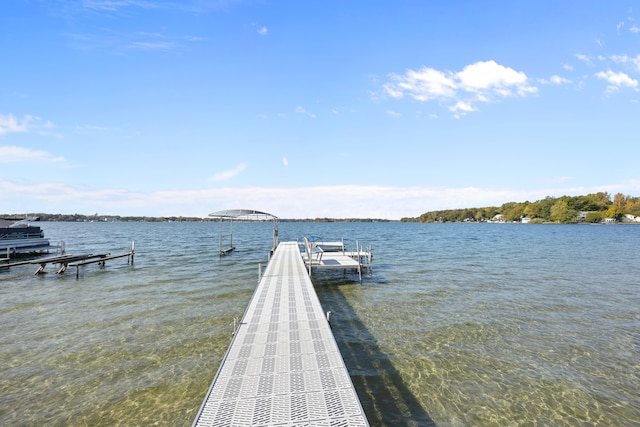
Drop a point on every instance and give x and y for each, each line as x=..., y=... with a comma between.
x=563, y=209
x=562, y=212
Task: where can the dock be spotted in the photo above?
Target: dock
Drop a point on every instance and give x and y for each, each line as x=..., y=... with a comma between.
x=64, y=261
x=283, y=367
x=332, y=255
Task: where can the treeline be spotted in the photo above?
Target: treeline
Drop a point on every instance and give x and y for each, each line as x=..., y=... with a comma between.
x=104, y=218
x=117, y=218
x=565, y=209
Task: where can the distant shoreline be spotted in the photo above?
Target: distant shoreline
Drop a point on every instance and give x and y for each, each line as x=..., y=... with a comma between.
x=117, y=218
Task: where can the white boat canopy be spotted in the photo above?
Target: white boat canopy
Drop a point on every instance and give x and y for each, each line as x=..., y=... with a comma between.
x=243, y=215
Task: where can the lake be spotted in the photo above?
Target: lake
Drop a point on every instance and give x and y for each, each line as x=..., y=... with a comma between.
x=460, y=324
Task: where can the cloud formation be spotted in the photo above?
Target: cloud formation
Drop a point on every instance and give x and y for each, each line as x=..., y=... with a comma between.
x=9, y=124
x=555, y=80
x=12, y=154
x=336, y=201
x=228, y=174
x=302, y=110
x=28, y=123
x=626, y=59
x=617, y=80
x=481, y=82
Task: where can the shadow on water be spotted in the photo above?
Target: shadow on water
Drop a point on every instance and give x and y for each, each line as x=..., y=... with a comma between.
x=385, y=398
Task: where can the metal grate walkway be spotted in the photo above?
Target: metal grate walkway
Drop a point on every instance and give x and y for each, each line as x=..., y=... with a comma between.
x=283, y=366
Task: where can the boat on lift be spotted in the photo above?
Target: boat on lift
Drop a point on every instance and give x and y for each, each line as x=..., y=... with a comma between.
x=20, y=236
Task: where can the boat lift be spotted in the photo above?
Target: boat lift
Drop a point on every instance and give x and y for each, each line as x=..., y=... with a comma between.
x=242, y=215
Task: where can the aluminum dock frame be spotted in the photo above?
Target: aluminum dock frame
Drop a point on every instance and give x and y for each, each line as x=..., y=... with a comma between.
x=283, y=367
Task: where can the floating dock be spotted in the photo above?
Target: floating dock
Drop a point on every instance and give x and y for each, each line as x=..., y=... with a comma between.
x=283, y=367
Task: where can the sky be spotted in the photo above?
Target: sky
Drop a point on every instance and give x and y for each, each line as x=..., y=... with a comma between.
x=310, y=109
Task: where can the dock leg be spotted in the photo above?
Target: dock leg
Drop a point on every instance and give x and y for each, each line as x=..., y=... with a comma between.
x=40, y=269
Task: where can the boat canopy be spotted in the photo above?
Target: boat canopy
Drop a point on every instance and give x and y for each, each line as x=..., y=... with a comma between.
x=243, y=215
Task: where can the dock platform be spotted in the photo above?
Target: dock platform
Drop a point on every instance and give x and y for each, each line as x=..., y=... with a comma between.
x=316, y=256
x=283, y=367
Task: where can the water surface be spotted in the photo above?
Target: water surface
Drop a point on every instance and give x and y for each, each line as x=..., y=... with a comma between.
x=460, y=324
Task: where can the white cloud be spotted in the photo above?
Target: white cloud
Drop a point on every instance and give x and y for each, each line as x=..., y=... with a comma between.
x=302, y=110
x=584, y=58
x=12, y=154
x=556, y=80
x=285, y=162
x=115, y=5
x=28, y=123
x=122, y=42
x=481, y=82
x=634, y=29
x=626, y=59
x=393, y=113
x=617, y=80
x=339, y=201
x=155, y=45
x=461, y=108
x=619, y=26
x=423, y=85
x=9, y=124
x=226, y=175
x=490, y=75
x=263, y=31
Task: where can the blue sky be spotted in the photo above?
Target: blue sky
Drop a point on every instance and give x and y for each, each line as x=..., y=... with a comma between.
x=308, y=109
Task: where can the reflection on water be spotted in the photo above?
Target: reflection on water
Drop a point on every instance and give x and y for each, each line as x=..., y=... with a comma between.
x=461, y=324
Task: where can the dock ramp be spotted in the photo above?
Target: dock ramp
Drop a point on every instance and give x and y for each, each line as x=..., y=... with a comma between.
x=283, y=367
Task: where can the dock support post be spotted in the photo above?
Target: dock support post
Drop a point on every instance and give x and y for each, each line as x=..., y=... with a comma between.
x=235, y=326
x=220, y=238
x=359, y=261
x=259, y=272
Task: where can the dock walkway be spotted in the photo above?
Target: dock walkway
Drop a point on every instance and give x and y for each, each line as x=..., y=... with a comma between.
x=283, y=366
